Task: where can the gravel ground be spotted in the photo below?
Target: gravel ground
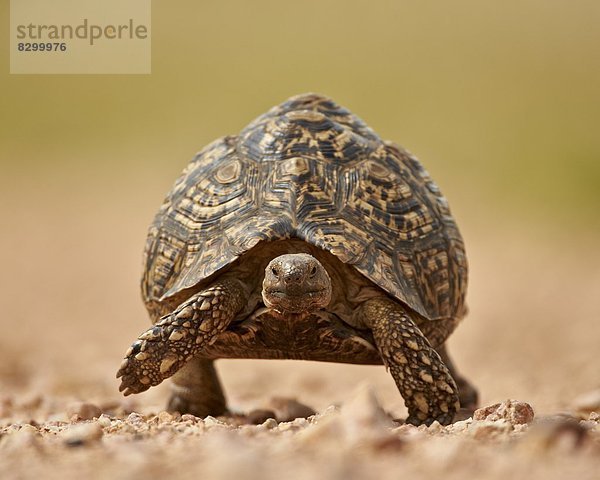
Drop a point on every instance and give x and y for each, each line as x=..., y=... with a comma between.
x=356, y=440
x=70, y=308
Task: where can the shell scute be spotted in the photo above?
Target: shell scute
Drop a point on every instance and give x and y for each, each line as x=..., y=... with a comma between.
x=310, y=169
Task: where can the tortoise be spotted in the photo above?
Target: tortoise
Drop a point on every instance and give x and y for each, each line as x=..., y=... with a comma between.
x=308, y=237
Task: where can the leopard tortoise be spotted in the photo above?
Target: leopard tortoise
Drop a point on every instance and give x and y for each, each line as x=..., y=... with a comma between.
x=304, y=237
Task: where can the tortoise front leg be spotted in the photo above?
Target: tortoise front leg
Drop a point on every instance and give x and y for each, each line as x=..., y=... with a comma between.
x=423, y=380
x=162, y=350
x=467, y=393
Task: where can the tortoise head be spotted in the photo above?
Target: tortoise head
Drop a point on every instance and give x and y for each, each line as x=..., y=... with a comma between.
x=296, y=283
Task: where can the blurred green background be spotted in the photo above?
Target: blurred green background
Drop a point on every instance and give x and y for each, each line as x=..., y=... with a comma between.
x=500, y=100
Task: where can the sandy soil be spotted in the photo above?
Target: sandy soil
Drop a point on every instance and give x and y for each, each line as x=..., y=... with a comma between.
x=70, y=308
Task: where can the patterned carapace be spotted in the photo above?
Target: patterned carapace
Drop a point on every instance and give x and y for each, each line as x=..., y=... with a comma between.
x=312, y=170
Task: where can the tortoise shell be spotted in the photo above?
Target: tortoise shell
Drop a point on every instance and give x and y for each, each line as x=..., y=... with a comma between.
x=312, y=170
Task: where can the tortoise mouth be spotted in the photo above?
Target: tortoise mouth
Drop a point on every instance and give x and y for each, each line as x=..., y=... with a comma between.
x=287, y=294
x=295, y=301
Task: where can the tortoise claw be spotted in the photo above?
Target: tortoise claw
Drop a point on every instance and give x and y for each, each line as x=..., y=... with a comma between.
x=151, y=359
x=130, y=378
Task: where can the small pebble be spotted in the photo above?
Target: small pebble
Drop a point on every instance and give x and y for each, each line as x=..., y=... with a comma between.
x=300, y=422
x=136, y=418
x=190, y=418
x=213, y=422
x=512, y=411
x=435, y=427
x=270, y=423
x=165, y=417
x=104, y=421
x=82, y=434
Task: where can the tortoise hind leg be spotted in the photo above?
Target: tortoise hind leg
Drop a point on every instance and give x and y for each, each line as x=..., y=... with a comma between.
x=467, y=393
x=428, y=389
x=196, y=390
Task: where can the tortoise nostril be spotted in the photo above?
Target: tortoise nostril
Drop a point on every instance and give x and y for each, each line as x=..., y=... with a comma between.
x=293, y=277
x=275, y=271
x=313, y=271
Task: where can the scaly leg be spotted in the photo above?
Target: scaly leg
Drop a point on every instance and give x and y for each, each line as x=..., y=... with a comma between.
x=467, y=393
x=196, y=389
x=420, y=374
x=162, y=350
